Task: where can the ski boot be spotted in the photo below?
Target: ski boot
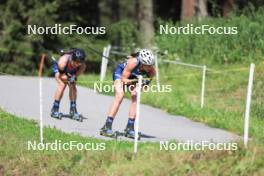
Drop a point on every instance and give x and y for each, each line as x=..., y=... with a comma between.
x=107, y=131
x=55, y=113
x=75, y=115
x=130, y=133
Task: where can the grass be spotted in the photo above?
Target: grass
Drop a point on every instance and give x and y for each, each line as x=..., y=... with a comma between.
x=117, y=159
x=226, y=89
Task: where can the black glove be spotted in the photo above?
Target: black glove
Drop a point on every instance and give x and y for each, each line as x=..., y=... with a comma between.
x=72, y=79
x=146, y=81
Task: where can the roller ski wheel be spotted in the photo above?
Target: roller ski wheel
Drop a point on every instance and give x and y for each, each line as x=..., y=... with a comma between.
x=56, y=115
x=118, y=133
x=108, y=132
x=75, y=115
x=131, y=134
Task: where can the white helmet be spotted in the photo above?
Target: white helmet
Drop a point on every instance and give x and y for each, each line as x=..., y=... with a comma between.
x=146, y=57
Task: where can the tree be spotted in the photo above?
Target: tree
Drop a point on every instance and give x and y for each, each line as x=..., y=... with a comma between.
x=201, y=11
x=227, y=7
x=188, y=9
x=144, y=11
x=115, y=17
x=194, y=8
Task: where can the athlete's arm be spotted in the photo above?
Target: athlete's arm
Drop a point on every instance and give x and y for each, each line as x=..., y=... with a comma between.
x=131, y=64
x=62, y=63
x=81, y=69
x=152, y=72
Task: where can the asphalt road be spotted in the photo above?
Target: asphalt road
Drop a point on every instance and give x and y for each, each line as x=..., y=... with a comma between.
x=20, y=96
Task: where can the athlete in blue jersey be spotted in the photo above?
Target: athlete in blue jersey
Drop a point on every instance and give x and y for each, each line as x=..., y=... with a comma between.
x=125, y=74
x=66, y=69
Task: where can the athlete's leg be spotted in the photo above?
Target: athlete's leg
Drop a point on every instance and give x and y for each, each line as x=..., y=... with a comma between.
x=73, y=97
x=132, y=111
x=72, y=92
x=133, y=106
x=61, y=85
x=119, y=95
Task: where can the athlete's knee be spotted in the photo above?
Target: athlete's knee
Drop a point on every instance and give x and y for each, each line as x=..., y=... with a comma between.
x=134, y=97
x=64, y=78
x=73, y=87
x=119, y=96
x=133, y=94
x=61, y=86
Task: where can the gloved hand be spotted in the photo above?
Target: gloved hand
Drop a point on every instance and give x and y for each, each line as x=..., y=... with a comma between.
x=72, y=79
x=146, y=81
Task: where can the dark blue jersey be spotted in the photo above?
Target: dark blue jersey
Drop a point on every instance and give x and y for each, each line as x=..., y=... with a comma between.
x=120, y=68
x=68, y=69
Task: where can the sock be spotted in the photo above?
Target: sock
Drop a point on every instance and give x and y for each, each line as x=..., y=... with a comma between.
x=56, y=104
x=130, y=123
x=109, y=121
x=73, y=104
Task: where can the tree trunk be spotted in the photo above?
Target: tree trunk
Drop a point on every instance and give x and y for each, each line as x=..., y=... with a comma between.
x=144, y=10
x=115, y=10
x=201, y=9
x=188, y=10
x=115, y=17
x=227, y=7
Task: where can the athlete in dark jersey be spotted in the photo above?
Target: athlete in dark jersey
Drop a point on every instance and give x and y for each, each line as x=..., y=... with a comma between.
x=117, y=74
x=66, y=70
x=69, y=68
x=125, y=75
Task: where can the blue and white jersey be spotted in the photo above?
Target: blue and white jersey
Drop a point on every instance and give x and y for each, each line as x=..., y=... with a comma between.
x=120, y=68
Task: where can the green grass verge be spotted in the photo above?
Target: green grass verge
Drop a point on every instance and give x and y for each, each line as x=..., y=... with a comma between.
x=117, y=159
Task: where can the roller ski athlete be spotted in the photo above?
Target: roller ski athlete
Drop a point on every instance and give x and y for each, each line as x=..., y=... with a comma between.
x=66, y=70
x=125, y=75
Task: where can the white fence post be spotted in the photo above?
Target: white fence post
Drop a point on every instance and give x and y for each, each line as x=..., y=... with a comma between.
x=137, y=113
x=203, y=86
x=248, y=102
x=157, y=70
x=102, y=65
x=105, y=57
x=41, y=97
x=40, y=110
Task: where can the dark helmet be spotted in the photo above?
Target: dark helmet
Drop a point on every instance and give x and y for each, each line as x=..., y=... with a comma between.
x=78, y=55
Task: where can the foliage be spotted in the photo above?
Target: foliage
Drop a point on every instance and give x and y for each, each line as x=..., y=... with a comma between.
x=245, y=47
x=125, y=32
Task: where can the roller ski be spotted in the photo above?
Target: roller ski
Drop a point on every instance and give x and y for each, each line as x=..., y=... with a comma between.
x=75, y=115
x=130, y=133
x=108, y=132
x=56, y=114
